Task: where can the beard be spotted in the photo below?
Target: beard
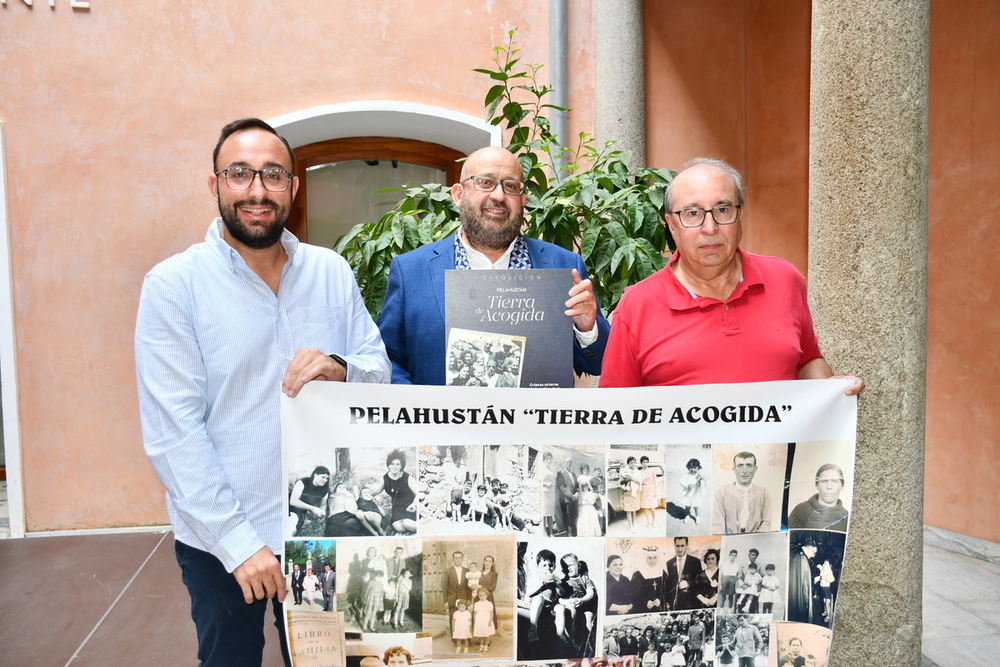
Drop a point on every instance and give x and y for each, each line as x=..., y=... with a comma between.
x=483, y=232
x=257, y=237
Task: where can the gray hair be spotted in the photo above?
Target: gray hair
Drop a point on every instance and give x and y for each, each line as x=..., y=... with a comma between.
x=719, y=165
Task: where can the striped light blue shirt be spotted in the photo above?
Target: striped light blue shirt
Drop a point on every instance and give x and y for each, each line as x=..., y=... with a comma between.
x=212, y=343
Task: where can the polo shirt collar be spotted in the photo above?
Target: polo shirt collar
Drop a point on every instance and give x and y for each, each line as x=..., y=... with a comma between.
x=680, y=297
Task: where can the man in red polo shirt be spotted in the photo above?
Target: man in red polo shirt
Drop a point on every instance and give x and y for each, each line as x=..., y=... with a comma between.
x=714, y=314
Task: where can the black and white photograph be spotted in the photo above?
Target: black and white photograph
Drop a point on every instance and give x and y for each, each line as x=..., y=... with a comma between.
x=799, y=645
x=567, y=487
x=380, y=584
x=688, y=487
x=631, y=566
x=637, y=490
x=669, y=638
x=631, y=635
x=749, y=482
x=742, y=640
x=819, y=497
x=483, y=359
x=674, y=577
x=356, y=492
x=476, y=489
x=754, y=574
x=469, y=596
x=815, y=560
x=560, y=590
x=310, y=575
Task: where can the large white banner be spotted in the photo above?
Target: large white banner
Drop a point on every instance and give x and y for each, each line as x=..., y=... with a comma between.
x=698, y=525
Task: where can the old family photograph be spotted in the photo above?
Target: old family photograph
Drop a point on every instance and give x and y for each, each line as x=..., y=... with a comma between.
x=571, y=491
x=692, y=601
x=497, y=550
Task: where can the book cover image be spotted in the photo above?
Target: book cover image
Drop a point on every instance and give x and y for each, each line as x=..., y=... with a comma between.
x=508, y=328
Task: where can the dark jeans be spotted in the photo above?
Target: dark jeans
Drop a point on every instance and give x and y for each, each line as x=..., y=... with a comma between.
x=230, y=631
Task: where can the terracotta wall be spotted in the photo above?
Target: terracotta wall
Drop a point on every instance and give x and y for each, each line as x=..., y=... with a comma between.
x=111, y=115
x=730, y=80
x=963, y=350
x=758, y=63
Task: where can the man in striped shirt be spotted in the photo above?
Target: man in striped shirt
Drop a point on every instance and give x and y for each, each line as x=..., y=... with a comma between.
x=221, y=327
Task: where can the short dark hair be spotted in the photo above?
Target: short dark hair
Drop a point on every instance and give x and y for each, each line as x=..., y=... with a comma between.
x=396, y=455
x=247, y=124
x=745, y=455
x=546, y=555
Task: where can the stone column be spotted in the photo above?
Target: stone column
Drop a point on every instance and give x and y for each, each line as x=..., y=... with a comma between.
x=868, y=290
x=620, y=78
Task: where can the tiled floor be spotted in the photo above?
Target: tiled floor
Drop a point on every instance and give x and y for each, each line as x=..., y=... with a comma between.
x=97, y=600
x=961, y=610
x=118, y=600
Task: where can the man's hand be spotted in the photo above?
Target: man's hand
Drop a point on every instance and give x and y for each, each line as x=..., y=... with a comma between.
x=818, y=369
x=582, y=304
x=855, y=388
x=260, y=576
x=308, y=365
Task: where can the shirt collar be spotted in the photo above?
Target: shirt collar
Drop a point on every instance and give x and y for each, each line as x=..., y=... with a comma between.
x=478, y=260
x=680, y=297
x=214, y=238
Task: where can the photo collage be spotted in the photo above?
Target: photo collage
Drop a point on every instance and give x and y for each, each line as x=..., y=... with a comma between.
x=712, y=554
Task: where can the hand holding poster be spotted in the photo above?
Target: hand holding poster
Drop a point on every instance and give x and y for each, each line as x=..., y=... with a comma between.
x=696, y=525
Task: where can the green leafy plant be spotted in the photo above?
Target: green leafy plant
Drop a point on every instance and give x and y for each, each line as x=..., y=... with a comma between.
x=583, y=198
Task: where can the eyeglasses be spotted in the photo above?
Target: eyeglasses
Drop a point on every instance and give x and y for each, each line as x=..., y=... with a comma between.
x=489, y=184
x=723, y=214
x=241, y=178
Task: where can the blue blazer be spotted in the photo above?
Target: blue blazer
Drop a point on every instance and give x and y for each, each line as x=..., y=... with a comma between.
x=412, y=319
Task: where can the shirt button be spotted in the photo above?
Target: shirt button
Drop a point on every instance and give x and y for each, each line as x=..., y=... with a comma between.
x=726, y=307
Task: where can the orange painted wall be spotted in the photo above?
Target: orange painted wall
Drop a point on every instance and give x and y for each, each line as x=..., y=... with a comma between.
x=738, y=91
x=110, y=118
x=963, y=351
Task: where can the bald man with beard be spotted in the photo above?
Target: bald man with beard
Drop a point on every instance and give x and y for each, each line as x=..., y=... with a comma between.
x=490, y=197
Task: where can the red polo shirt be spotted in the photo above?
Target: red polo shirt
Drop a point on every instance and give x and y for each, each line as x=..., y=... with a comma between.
x=662, y=335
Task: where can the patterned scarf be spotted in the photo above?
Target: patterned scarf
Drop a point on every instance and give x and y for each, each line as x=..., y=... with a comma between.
x=519, y=256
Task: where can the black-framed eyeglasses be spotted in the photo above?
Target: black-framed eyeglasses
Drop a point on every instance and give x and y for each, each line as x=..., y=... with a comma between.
x=723, y=214
x=240, y=178
x=489, y=184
